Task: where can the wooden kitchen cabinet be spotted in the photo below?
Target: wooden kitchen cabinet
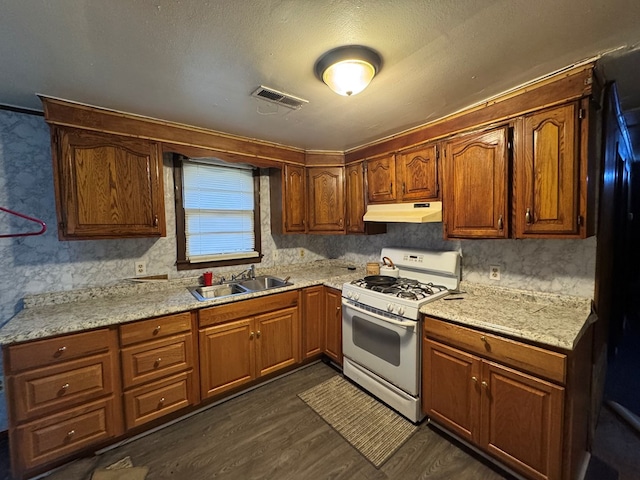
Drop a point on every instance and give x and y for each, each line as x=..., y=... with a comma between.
x=476, y=178
x=107, y=186
x=500, y=406
x=547, y=173
x=326, y=200
x=333, y=327
x=381, y=179
x=245, y=340
x=356, y=202
x=63, y=397
x=159, y=368
x=288, y=188
x=313, y=321
x=417, y=173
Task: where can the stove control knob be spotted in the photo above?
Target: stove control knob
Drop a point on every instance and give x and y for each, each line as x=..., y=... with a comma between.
x=401, y=311
x=389, y=307
x=349, y=295
x=356, y=296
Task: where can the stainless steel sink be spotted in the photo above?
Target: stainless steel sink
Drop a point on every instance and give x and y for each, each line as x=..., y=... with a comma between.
x=258, y=284
x=216, y=291
x=264, y=282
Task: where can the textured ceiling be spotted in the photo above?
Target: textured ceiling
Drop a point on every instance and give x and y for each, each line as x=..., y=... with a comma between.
x=197, y=62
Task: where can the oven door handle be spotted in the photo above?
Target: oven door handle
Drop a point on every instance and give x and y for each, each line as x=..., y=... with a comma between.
x=408, y=324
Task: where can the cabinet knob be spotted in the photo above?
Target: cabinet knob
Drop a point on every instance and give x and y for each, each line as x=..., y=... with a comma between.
x=64, y=387
x=162, y=400
x=500, y=223
x=475, y=379
x=155, y=221
x=71, y=433
x=156, y=330
x=258, y=334
x=483, y=338
x=251, y=336
x=485, y=384
x=527, y=216
x=404, y=188
x=60, y=351
x=158, y=361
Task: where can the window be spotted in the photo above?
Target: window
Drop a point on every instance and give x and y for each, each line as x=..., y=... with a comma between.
x=217, y=213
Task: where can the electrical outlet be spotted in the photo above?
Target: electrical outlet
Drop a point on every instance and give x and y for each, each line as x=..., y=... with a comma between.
x=494, y=272
x=302, y=252
x=141, y=268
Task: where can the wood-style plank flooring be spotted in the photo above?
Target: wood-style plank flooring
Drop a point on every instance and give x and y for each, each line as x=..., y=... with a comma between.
x=269, y=433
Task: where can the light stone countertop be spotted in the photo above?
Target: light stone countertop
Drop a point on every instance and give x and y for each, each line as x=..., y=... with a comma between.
x=549, y=319
x=58, y=313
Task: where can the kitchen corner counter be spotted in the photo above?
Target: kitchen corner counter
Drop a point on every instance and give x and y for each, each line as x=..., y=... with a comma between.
x=544, y=318
x=60, y=313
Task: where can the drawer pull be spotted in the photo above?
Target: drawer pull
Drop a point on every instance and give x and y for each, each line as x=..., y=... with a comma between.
x=60, y=351
x=161, y=402
x=156, y=330
x=71, y=433
x=65, y=387
x=527, y=216
x=483, y=338
x=158, y=362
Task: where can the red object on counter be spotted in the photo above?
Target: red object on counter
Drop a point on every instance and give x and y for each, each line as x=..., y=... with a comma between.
x=207, y=278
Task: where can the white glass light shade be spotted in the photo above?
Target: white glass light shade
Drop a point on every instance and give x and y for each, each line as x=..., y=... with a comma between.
x=348, y=77
x=347, y=70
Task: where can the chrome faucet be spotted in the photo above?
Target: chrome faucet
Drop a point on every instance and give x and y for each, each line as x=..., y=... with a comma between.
x=249, y=273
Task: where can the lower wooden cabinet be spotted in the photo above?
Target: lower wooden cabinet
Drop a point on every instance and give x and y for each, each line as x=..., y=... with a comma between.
x=333, y=327
x=313, y=321
x=63, y=397
x=524, y=405
x=515, y=417
x=236, y=351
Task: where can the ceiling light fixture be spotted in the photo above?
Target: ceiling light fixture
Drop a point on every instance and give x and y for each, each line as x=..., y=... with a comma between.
x=349, y=69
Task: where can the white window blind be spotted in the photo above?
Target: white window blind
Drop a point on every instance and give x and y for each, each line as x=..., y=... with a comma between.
x=218, y=204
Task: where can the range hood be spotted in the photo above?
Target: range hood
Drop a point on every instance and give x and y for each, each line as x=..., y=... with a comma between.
x=404, y=212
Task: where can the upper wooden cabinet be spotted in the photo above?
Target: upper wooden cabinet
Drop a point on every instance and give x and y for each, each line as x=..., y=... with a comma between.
x=381, y=179
x=406, y=176
x=476, y=179
x=288, y=199
x=354, y=182
x=547, y=173
x=107, y=186
x=417, y=173
x=326, y=204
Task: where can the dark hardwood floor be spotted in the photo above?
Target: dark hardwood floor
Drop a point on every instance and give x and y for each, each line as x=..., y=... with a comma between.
x=269, y=433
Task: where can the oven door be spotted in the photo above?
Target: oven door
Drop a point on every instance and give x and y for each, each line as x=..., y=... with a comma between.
x=388, y=347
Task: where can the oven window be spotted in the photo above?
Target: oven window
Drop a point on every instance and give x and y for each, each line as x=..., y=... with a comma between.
x=379, y=341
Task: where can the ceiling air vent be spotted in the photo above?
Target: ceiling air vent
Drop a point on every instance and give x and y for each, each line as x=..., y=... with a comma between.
x=279, y=98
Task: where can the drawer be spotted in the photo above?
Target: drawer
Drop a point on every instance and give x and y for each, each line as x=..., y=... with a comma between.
x=247, y=308
x=54, y=437
x=146, y=403
x=155, y=328
x=153, y=360
x=532, y=359
x=44, y=390
x=42, y=353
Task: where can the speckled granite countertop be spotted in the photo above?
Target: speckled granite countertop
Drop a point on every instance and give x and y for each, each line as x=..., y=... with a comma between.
x=58, y=313
x=549, y=319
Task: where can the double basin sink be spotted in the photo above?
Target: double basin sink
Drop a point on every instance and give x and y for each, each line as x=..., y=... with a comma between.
x=252, y=285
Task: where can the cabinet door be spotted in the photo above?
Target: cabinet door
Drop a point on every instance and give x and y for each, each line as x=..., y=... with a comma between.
x=381, y=179
x=107, y=186
x=451, y=389
x=522, y=421
x=326, y=199
x=333, y=335
x=418, y=174
x=475, y=197
x=277, y=344
x=227, y=356
x=547, y=174
x=355, y=197
x=312, y=321
x=295, y=199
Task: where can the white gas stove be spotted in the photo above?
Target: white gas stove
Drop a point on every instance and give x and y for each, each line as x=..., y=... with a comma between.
x=381, y=328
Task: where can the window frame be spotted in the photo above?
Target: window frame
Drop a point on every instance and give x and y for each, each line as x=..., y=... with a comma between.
x=182, y=263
